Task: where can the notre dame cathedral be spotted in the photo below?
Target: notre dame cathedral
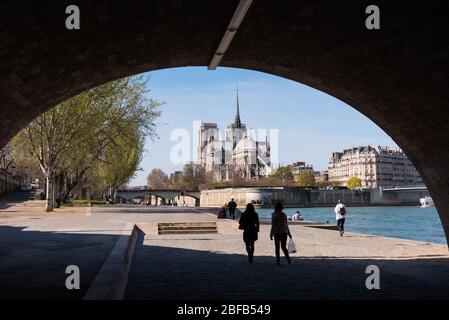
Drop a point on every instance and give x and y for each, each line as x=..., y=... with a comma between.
x=238, y=156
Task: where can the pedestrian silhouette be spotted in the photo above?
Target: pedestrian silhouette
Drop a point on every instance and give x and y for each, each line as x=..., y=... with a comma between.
x=231, y=208
x=222, y=212
x=280, y=231
x=249, y=223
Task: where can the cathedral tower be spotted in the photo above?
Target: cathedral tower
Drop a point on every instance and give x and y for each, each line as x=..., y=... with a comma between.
x=236, y=131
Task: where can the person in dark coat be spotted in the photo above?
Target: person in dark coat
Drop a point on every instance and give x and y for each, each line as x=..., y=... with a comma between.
x=249, y=223
x=222, y=212
x=232, y=205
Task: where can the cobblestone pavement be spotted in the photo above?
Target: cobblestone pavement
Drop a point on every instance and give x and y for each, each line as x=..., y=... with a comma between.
x=35, y=248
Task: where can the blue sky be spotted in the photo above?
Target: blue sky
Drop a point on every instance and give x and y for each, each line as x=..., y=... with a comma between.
x=311, y=124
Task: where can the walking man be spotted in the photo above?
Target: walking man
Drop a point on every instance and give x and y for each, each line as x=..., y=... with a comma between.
x=340, y=215
x=231, y=207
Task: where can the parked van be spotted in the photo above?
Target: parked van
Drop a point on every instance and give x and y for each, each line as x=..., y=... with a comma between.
x=26, y=187
x=34, y=185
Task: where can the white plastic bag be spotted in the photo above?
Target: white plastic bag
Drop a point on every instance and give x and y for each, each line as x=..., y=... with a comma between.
x=291, y=246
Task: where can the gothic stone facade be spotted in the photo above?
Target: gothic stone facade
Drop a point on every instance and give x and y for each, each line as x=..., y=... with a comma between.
x=238, y=156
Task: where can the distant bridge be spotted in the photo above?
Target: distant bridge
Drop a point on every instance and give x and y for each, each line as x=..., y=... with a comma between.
x=399, y=196
x=405, y=189
x=164, y=194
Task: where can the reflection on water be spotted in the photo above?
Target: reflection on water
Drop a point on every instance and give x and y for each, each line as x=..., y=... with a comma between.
x=415, y=223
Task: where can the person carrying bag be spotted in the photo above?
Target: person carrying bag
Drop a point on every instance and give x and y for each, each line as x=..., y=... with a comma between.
x=291, y=246
x=280, y=231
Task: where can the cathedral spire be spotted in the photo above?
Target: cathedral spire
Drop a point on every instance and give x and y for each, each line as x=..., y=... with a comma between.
x=237, y=122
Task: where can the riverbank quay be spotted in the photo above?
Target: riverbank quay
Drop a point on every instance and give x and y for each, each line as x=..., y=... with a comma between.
x=36, y=250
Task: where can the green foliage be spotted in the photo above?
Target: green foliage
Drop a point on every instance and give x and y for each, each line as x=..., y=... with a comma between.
x=354, y=183
x=120, y=162
x=97, y=136
x=306, y=179
x=283, y=174
x=87, y=202
x=193, y=176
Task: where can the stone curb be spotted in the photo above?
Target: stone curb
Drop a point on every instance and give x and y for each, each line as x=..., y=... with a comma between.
x=110, y=282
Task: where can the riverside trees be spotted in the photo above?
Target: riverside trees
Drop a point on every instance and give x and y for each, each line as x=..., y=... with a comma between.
x=283, y=174
x=97, y=135
x=306, y=179
x=193, y=176
x=158, y=179
x=354, y=183
x=119, y=165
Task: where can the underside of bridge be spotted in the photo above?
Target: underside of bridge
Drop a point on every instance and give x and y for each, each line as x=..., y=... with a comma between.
x=397, y=76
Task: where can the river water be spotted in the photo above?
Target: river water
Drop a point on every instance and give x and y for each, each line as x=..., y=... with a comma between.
x=414, y=223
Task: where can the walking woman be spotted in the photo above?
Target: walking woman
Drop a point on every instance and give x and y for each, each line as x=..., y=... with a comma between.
x=280, y=231
x=249, y=223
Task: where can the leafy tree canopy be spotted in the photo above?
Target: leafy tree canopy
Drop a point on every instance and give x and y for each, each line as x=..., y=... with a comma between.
x=354, y=183
x=306, y=179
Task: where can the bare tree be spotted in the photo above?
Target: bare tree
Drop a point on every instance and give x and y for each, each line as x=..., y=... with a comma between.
x=158, y=179
x=6, y=158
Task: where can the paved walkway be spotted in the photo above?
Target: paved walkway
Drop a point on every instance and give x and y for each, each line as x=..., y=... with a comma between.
x=326, y=267
x=36, y=247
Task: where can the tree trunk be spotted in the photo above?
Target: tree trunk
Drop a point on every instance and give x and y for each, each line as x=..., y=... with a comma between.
x=54, y=186
x=49, y=193
x=114, y=197
x=69, y=188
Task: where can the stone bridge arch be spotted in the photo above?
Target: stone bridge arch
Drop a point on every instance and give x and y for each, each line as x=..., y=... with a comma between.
x=397, y=76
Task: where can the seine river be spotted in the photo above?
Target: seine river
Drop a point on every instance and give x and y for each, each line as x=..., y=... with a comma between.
x=415, y=223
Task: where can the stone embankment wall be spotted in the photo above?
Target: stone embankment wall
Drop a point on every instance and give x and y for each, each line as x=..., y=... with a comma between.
x=267, y=197
x=289, y=196
x=8, y=182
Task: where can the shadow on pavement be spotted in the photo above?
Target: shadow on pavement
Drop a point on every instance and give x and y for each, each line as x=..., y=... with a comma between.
x=33, y=263
x=12, y=198
x=165, y=273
